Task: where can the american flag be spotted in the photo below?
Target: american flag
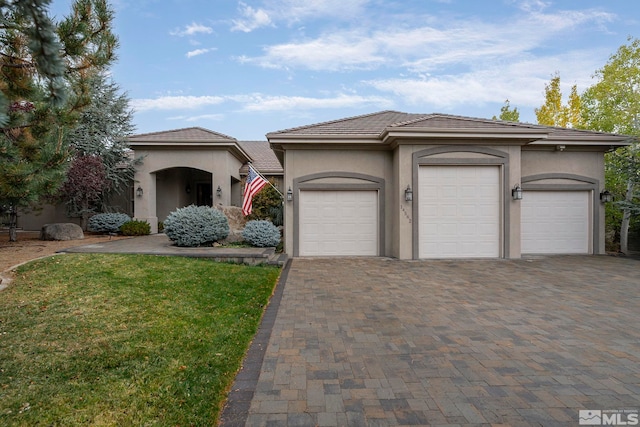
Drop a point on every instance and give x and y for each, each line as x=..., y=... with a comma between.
x=254, y=184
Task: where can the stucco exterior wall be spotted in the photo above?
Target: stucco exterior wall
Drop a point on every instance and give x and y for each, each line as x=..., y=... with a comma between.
x=163, y=179
x=301, y=162
x=583, y=163
x=49, y=214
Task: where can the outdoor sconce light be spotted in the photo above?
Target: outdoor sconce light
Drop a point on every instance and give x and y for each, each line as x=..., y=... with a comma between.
x=516, y=193
x=606, y=196
x=139, y=191
x=408, y=194
x=188, y=189
x=219, y=192
x=289, y=195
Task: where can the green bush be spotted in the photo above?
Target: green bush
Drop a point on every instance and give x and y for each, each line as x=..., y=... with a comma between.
x=107, y=222
x=196, y=226
x=135, y=228
x=261, y=233
x=267, y=204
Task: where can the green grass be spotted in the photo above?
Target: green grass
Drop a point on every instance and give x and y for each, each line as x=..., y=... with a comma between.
x=126, y=340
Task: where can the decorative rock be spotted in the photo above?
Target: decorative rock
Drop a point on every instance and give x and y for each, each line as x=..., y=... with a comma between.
x=236, y=220
x=61, y=231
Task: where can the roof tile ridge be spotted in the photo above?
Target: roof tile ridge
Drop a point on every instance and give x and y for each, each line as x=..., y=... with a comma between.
x=329, y=122
x=170, y=131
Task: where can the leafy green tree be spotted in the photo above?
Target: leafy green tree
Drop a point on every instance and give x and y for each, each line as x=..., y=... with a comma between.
x=553, y=112
x=44, y=72
x=507, y=114
x=613, y=105
x=101, y=133
x=267, y=205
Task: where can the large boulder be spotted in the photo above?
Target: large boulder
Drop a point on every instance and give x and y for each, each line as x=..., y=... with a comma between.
x=61, y=231
x=236, y=220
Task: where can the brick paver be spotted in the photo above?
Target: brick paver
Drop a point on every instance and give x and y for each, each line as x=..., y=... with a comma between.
x=379, y=342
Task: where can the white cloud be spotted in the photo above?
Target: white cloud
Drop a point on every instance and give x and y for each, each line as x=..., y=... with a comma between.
x=521, y=81
x=175, y=102
x=258, y=102
x=332, y=53
x=428, y=47
x=191, y=30
x=292, y=11
x=251, y=19
x=199, y=118
x=197, y=52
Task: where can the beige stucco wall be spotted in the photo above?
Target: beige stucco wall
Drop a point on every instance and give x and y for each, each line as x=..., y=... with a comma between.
x=48, y=214
x=590, y=164
x=163, y=180
x=300, y=162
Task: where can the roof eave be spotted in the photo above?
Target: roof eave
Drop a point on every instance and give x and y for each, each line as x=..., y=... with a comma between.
x=279, y=139
x=524, y=136
x=231, y=146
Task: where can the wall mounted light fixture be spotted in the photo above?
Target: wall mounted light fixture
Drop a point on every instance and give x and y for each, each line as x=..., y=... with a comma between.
x=219, y=191
x=139, y=191
x=408, y=194
x=289, y=195
x=606, y=196
x=516, y=192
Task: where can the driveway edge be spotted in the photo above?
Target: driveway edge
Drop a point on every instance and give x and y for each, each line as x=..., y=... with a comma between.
x=236, y=409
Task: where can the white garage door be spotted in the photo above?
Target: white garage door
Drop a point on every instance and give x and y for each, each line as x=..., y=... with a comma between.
x=555, y=222
x=459, y=211
x=335, y=223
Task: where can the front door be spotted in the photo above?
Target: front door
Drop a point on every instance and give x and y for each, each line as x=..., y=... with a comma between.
x=204, y=195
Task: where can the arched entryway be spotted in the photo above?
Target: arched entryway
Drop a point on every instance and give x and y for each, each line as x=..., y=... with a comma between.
x=181, y=186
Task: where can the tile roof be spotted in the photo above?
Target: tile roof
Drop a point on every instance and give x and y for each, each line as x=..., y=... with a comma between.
x=375, y=124
x=264, y=159
x=368, y=124
x=193, y=134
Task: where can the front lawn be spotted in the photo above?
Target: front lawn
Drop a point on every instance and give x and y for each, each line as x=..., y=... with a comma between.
x=126, y=340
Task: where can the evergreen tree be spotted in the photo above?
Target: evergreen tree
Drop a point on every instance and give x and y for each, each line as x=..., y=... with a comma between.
x=101, y=132
x=44, y=72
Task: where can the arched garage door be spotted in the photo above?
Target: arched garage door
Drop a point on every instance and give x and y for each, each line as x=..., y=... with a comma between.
x=555, y=222
x=338, y=223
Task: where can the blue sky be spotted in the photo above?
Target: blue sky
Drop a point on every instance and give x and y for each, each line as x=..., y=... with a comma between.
x=246, y=68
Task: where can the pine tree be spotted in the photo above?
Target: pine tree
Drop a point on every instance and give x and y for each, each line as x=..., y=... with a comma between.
x=44, y=72
x=101, y=132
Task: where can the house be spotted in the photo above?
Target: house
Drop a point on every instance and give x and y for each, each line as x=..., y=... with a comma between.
x=194, y=166
x=408, y=186
x=414, y=186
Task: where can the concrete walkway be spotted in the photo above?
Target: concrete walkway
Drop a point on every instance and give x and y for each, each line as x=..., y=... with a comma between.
x=378, y=342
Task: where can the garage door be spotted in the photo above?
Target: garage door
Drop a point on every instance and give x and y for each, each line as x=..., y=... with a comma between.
x=555, y=222
x=459, y=211
x=335, y=223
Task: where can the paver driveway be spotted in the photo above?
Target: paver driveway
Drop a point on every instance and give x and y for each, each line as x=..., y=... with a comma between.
x=517, y=342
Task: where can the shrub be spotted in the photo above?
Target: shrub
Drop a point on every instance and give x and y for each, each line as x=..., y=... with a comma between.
x=135, y=228
x=261, y=233
x=107, y=222
x=196, y=226
x=267, y=204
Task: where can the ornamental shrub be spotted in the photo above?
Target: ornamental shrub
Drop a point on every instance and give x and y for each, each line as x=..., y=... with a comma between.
x=261, y=233
x=135, y=228
x=196, y=226
x=107, y=222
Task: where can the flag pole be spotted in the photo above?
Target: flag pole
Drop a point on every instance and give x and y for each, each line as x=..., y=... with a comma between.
x=263, y=177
